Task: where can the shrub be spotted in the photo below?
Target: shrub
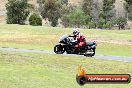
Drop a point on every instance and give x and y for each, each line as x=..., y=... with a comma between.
x=92, y=25
x=130, y=16
x=35, y=20
x=107, y=25
x=101, y=22
x=121, y=21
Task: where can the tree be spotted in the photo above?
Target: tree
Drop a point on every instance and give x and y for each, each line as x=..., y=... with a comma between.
x=77, y=18
x=108, y=6
x=101, y=22
x=108, y=25
x=128, y=7
x=65, y=20
x=121, y=21
x=130, y=16
x=51, y=10
x=35, y=20
x=92, y=25
x=65, y=11
x=64, y=2
x=87, y=7
x=95, y=11
x=17, y=11
x=40, y=5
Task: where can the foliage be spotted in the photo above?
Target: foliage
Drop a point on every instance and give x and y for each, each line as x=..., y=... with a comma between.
x=107, y=25
x=101, y=22
x=65, y=20
x=95, y=10
x=64, y=2
x=77, y=17
x=121, y=21
x=52, y=11
x=35, y=20
x=87, y=19
x=107, y=14
x=92, y=25
x=40, y=5
x=107, y=7
x=17, y=11
x=128, y=7
x=130, y=16
x=87, y=7
x=66, y=10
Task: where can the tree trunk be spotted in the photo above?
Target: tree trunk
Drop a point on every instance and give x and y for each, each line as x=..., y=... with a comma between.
x=119, y=26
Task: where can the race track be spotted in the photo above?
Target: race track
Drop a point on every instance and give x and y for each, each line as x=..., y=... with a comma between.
x=106, y=57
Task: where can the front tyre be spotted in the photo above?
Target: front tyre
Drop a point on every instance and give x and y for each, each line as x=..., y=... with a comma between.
x=90, y=53
x=59, y=49
x=93, y=51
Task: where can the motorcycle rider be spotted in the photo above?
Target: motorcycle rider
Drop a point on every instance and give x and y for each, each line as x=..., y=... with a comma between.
x=81, y=41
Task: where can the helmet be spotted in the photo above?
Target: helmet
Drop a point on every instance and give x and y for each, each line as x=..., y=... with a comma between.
x=75, y=31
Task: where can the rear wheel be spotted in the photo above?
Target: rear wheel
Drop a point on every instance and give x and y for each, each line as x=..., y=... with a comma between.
x=58, y=49
x=68, y=52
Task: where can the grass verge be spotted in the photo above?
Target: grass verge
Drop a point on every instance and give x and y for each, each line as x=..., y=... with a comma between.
x=31, y=70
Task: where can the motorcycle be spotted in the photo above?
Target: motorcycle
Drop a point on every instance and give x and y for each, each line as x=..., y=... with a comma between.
x=67, y=44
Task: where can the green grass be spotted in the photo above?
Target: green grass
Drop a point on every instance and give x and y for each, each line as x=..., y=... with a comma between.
x=114, y=49
x=30, y=70
x=34, y=70
x=31, y=37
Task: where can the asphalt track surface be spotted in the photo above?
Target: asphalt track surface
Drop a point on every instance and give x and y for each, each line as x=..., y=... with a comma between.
x=106, y=57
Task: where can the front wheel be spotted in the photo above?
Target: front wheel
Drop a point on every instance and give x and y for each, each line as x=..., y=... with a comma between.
x=58, y=49
x=90, y=53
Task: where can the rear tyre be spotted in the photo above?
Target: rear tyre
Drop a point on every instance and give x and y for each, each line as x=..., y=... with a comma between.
x=68, y=52
x=58, y=49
